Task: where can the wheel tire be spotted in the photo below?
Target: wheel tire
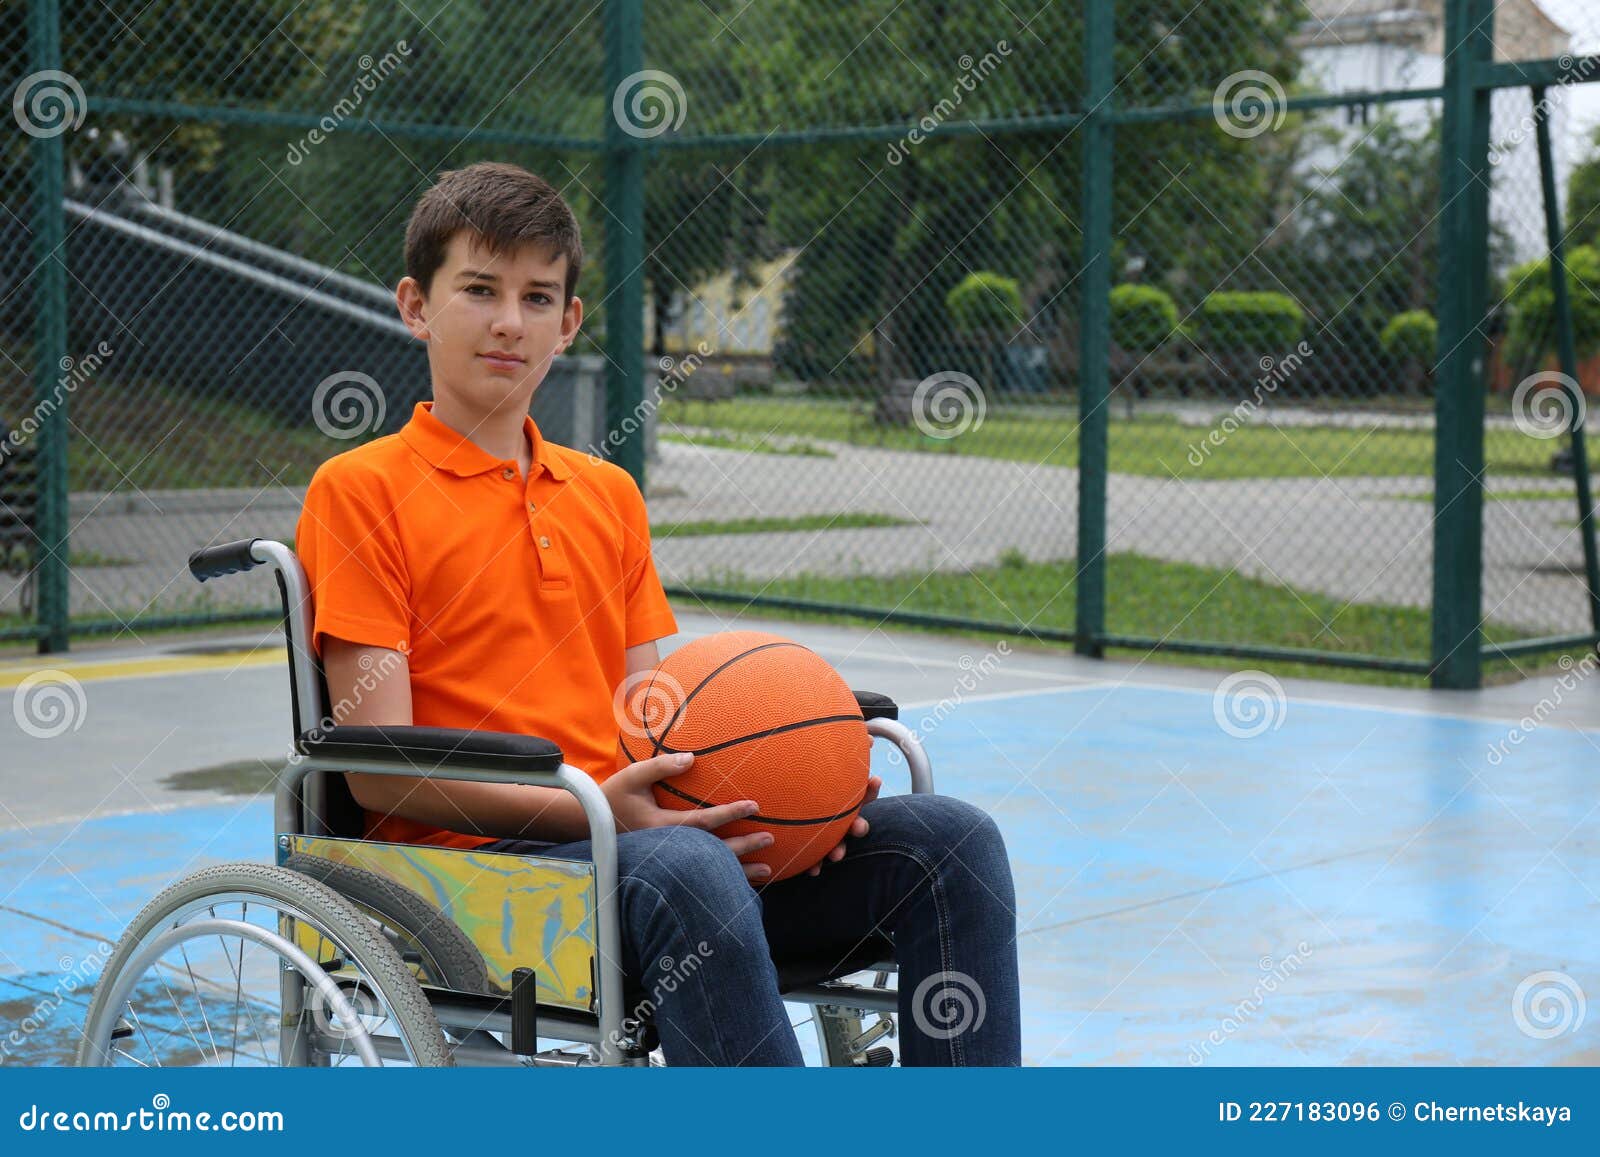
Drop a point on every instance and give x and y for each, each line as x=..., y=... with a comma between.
x=414, y=1020
x=457, y=963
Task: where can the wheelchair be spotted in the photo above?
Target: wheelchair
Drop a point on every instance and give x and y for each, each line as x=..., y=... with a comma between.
x=347, y=951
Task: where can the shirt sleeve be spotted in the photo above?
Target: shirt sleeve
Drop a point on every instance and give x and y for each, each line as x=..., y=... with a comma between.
x=348, y=543
x=648, y=615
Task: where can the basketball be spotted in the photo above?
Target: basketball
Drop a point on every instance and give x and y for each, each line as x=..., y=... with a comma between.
x=767, y=719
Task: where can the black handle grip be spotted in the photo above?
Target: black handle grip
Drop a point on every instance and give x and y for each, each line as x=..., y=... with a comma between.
x=524, y=1012
x=224, y=558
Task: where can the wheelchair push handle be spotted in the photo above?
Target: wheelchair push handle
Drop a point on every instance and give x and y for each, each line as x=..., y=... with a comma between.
x=224, y=558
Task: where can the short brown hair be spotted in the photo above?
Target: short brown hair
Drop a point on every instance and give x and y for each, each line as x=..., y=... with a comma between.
x=504, y=205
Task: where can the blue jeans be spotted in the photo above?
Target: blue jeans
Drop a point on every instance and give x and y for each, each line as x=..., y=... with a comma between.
x=931, y=877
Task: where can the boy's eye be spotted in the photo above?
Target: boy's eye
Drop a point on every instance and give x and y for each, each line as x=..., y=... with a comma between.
x=477, y=289
x=541, y=298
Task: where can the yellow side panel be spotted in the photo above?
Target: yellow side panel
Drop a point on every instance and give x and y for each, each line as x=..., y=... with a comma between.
x=518, y=911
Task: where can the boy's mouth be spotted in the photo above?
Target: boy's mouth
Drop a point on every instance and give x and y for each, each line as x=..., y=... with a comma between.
x=502, y=360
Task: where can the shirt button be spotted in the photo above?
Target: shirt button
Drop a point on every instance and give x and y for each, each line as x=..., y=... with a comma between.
x=533, y=506
x=544, y=542
x=508, y=473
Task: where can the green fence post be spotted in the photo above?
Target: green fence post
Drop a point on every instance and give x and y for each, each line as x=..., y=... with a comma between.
x=1094, y=331
x=1459, y=373
x=1567, y=350
x=50, y=340
x=624, y=246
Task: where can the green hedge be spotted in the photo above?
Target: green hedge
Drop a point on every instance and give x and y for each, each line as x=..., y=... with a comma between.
x=1411, y=336
x=1531, y=331
x=1250, y=322
x=1142, y=317
x=985, y=303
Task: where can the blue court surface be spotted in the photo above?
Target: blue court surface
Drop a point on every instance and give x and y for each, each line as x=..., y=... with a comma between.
x=1203, y=876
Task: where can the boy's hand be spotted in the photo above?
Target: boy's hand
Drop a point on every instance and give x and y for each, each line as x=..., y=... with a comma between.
x=634, y=805
x=858, y=828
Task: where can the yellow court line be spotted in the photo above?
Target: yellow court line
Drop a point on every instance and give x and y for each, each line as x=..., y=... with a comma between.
x=12, y=674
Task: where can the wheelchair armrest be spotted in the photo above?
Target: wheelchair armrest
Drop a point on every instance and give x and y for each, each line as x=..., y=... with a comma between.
x=433, y=748
x=876, y=706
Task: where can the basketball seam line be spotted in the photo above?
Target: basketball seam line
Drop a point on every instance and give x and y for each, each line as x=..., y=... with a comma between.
x=657, y=744
x=779, y=730
x=758, y=818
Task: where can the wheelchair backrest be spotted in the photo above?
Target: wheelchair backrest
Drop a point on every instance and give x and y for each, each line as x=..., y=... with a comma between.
x=327, y=806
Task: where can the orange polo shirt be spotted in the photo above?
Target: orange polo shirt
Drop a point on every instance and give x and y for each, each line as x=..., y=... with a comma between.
x=515, y=598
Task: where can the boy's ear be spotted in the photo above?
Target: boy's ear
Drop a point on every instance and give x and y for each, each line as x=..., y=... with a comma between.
x=409, y=299
x=571, y=319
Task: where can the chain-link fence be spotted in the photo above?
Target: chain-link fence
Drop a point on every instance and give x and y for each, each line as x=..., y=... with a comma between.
x=1135, y=325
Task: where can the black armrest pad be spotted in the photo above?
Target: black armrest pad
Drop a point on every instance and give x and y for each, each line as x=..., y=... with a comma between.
x=426, y=748
x=875, y=706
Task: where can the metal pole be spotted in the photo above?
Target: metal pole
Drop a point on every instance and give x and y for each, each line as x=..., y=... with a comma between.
x=50, y=341
x=1094, y=338
x=624, y=247
x=1458, y=446
x=1567, y=350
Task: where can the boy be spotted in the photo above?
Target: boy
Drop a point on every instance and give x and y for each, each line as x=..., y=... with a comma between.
x=501, y=583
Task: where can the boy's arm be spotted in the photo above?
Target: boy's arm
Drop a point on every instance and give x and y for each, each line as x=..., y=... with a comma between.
x=508, y=811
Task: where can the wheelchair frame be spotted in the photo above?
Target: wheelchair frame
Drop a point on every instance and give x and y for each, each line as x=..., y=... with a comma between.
x=301, y=803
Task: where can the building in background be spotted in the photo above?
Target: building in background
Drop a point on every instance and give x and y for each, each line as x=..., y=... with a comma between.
x=1370, y=45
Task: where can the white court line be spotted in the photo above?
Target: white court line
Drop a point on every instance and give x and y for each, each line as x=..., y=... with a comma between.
x=1114, y=685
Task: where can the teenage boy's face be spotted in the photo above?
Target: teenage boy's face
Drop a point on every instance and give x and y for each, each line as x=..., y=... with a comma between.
x=492, y=323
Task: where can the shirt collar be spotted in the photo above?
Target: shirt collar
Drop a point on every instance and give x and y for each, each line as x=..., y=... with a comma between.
x=448, y=450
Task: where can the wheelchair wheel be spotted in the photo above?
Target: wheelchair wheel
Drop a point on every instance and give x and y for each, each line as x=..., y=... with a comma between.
x=447, y=957
x=249, y=965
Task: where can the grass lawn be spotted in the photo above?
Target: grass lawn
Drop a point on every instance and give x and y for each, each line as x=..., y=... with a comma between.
x=144, y=435
x=752, y=443
x=1147, y=597
x=848, y=520
x=1568, y=496
x=1155, y=445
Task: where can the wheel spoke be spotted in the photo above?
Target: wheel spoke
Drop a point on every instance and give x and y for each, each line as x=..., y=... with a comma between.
x=200, y=1002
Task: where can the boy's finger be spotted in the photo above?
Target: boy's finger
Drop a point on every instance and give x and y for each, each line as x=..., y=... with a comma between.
x=744, y=845
x=756, y=873
x=658, y=768
x=712, y=818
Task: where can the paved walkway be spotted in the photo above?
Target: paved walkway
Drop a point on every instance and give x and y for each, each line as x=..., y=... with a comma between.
x=1351, y=538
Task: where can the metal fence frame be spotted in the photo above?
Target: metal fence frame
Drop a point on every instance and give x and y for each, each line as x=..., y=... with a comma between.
x=1471, y=77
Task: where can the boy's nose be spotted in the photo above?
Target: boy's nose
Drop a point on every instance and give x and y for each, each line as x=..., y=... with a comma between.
x=508, y=319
